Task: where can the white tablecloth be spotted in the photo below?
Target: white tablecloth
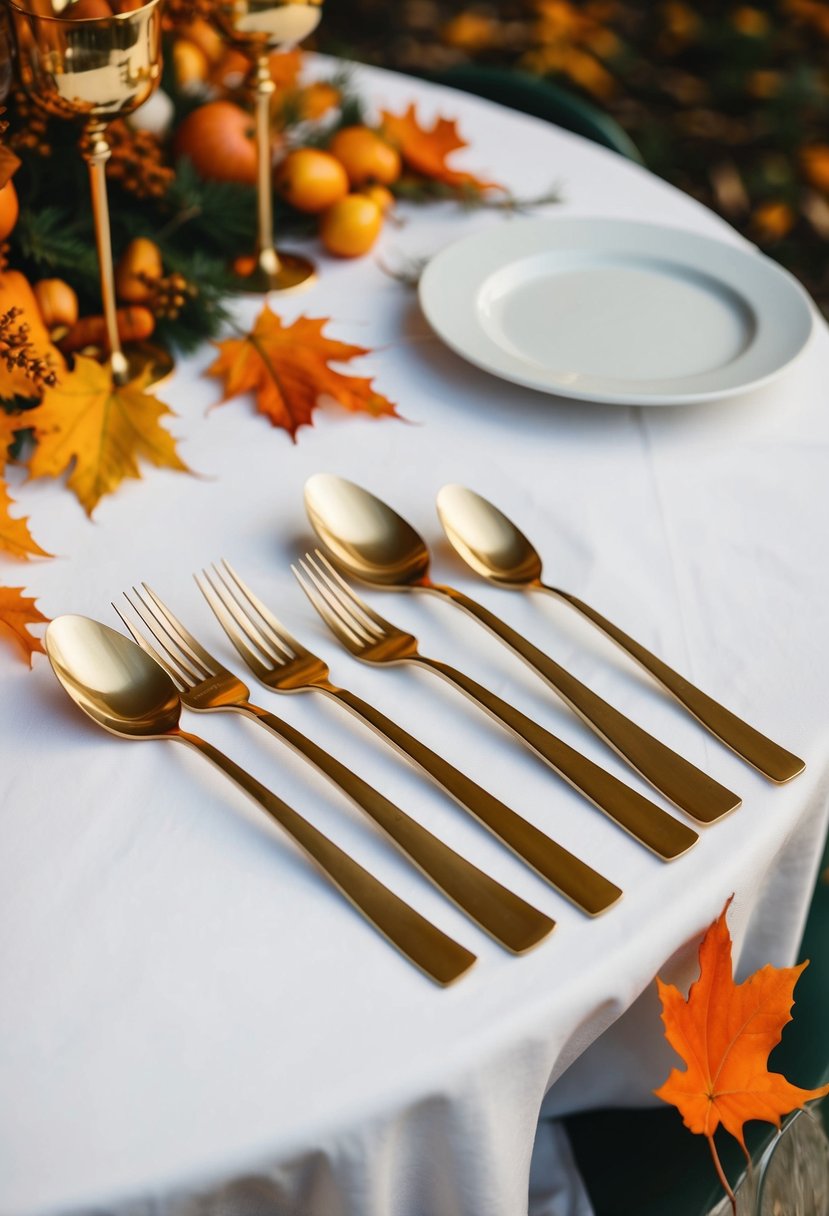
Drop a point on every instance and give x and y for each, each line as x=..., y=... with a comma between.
x=191, y=1020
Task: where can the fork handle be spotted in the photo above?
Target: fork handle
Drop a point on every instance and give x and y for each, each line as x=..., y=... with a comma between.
x=441, y=958
x=769, y=757
x=686, y=785
x=510, y=919
x=589, y=890
x=646, y=821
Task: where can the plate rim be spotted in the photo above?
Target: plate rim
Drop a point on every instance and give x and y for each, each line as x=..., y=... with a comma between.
x=484, y=237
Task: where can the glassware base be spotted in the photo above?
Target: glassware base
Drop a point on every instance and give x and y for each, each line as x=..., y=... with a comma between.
x=294, y=271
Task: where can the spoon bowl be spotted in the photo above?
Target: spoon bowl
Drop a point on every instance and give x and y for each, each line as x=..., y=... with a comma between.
x=111, y=679
x=486, y=540
x=366, y=537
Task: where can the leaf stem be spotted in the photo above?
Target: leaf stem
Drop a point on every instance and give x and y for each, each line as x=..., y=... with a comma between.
x=721, y=1174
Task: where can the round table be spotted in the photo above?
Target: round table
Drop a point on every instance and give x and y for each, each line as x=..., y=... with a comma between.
x=191, y=1019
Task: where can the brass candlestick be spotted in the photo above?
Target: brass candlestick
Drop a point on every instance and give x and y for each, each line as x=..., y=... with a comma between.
x=93, y=70
x=256, y=27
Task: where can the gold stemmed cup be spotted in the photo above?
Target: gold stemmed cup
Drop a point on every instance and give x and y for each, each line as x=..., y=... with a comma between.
x=257, y=27
x=93, y=70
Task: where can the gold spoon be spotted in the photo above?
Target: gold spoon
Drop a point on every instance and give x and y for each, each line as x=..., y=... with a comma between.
x=494, y=548
x=370, y=541
x=126, y=692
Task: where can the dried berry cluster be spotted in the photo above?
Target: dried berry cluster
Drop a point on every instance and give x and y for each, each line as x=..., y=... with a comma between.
x=17, y=351
x=137, y=162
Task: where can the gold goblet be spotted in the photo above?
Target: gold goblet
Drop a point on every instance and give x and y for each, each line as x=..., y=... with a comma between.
x=93, y=70
x=256, y=27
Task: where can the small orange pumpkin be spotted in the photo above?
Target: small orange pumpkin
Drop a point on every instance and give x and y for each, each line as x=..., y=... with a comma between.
x=139, y=269
x=57, y=302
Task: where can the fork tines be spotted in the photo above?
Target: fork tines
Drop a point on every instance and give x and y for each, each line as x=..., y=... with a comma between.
x=261, y=640
x=181, y=656
x=348, y=616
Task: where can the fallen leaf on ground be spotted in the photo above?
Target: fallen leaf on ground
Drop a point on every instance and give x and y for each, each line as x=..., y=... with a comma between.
x=100, y=431
x=15, y=537
x=424, y=150
x=17, y=614
x=286, y=367
x=724, y=1032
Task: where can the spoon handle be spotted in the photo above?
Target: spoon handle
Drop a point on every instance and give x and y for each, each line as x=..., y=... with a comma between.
x=646, y=821
x=686, y=785
x=589, y=890
x=510, y=919
x=772, y=760
x=441, y=958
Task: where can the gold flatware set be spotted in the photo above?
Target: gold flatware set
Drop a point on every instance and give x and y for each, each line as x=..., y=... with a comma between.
x=136, y=687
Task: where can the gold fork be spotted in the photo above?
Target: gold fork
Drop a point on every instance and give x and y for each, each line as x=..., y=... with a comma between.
x=283, y=664
x=370, y=637
x=206, y=686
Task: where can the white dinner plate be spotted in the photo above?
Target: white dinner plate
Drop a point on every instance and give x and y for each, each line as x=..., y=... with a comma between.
x=616, y=311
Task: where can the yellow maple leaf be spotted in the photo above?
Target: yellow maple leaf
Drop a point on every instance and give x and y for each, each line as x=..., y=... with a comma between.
x=100, y=430
x=425, y=149
x=15, y=537
x=17, y=614
x=286, y=367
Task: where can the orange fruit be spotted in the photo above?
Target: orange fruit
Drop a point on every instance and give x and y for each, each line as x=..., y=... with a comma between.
x=232, y=69
x=318, y=98
x=57, y=302
x=311, y=180
x=189, y=62
x=381, y=195
x=351, y=226
x=205, y=36
x=9, y=209
x=219, y=138
x=365, y=156
x=84, y=10
x=244, y=265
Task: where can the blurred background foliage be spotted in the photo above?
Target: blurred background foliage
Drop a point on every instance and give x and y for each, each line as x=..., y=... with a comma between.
x=730, y=102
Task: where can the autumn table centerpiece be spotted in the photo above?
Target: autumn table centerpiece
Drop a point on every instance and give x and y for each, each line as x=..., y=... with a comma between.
x=185, y=185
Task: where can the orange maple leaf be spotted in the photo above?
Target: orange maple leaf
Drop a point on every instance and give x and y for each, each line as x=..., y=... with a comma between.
x=15, y=537
x=285, y=67
x=724, y=1033
x=101, y=430
x=17, y=614
x=425, y=150
x=286, y=367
